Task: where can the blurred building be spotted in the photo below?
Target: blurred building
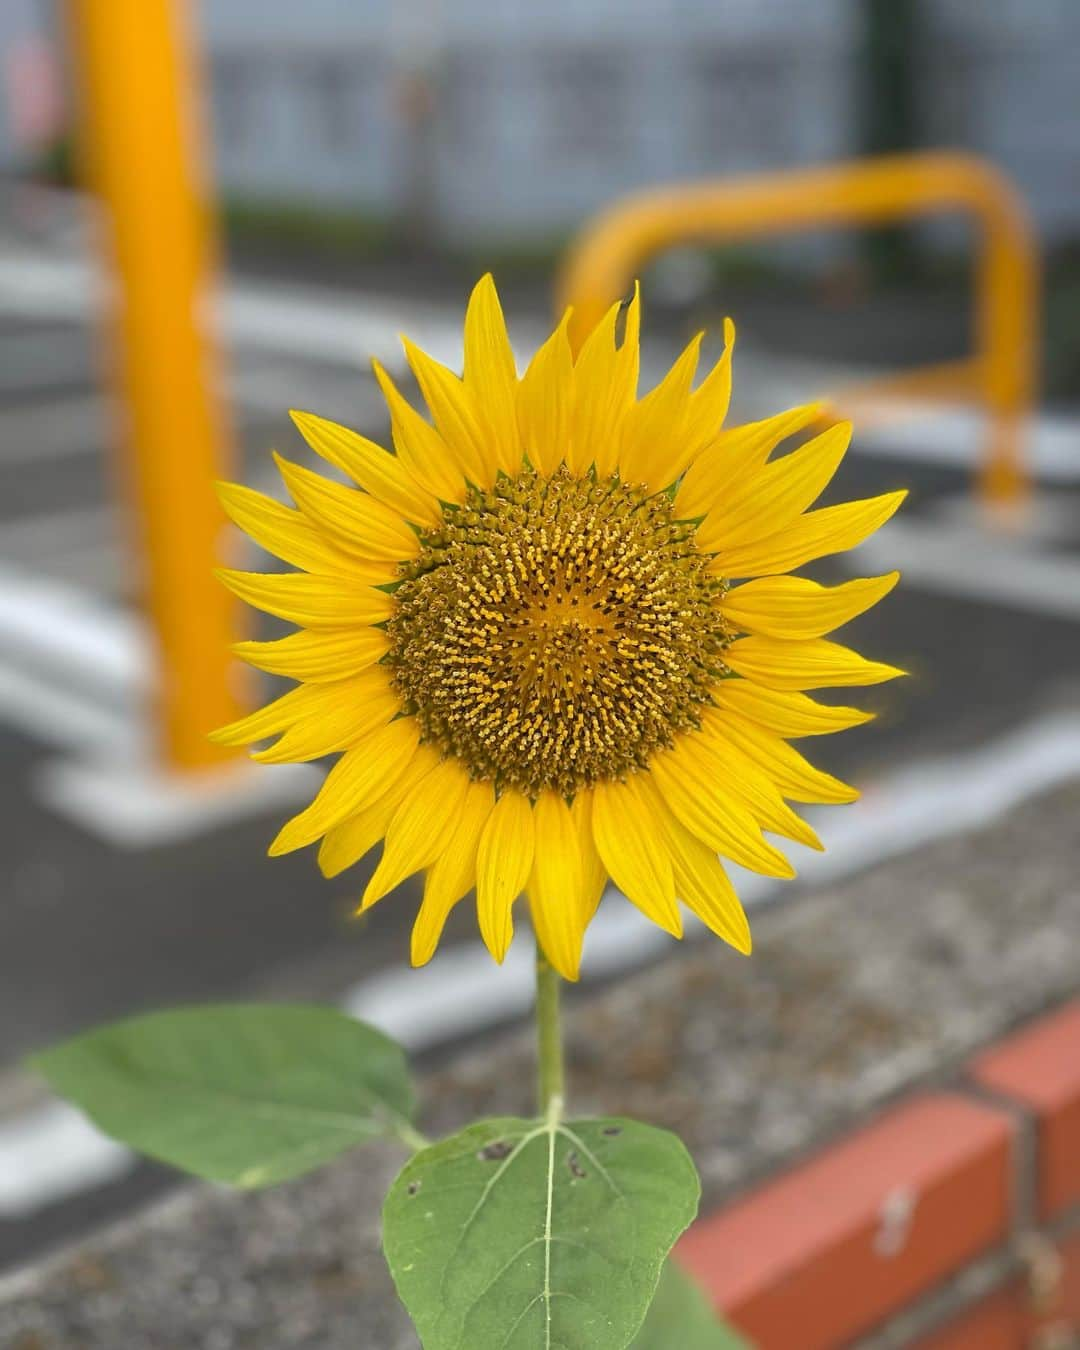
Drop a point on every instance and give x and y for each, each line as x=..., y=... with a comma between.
x=1003, y=79
x=533, y=114
x=510, y=118
x=31, y=98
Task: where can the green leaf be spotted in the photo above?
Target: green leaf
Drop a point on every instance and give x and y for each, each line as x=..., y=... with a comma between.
x=680, y=1316
x=245, y=1094
x=537, y=1235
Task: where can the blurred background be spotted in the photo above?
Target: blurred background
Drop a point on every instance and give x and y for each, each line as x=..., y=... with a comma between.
x=362, y=164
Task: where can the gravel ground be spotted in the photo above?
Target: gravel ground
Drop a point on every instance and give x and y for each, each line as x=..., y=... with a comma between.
x=853, y=994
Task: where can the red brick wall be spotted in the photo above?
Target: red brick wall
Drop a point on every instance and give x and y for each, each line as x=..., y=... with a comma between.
x=882, y=1218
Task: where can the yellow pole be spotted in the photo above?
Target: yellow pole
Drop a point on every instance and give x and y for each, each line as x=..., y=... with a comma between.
x=143, y=148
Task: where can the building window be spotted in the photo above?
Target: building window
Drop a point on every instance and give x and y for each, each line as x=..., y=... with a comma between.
x=745, y=104
x=233, y=76
x=584, y=113
x=331, y=86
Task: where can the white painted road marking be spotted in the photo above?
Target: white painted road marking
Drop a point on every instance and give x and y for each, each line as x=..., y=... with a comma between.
x=132, y=803
x=953, y=437
x=50, y=1153
x=994, y=568
x=74, y=424
x=306, y=321
x=68, y=634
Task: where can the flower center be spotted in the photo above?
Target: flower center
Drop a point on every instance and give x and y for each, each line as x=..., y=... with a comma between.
x=556, y=631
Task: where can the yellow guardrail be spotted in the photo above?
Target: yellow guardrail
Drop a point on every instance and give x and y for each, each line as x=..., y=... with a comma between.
x=611, y=250
x=140, y=140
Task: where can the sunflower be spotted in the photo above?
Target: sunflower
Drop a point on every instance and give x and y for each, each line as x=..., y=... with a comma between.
x=520, y=633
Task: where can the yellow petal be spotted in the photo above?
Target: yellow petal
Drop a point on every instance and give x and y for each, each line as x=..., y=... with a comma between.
x=346, y=843
x=751, y=786
x=792, y=773
x=786, y=713
x=359, y=522
x=358, y=778
x=833, y=529
x=688, y=783
x=373, y=468
x=274, y=717
x=699, y=423
x=797, y=608
x=776, y=494
x=703, y=885
x=367, y=704
x=632, y=847
x=419, y=446
x=504, y=860
x=453, y=414
x=490, y=376
x=814, y=664
x=733, y=454
x=603, y=395
x=710, y=400
x=421, y=828
x=545, y=402
x=310, y=601
x=283, y=532
x=311, y=704
x=628, y=355
x=317, y=656
x=452, y=874
x=556, y=887
x=594, y=873
x=652, y=428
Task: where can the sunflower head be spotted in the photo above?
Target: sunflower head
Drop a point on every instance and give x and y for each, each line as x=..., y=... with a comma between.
x=556, y=631
x=553, y=635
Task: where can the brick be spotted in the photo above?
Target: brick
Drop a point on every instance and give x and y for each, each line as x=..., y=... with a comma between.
x=833, y=1248
x=1039, y=1068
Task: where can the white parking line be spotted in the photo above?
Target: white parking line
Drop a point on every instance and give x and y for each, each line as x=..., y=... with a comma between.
x=918, y=432
x=67, y=635
x=992, y=567
x=78, y=424
x=953, y=437
x=73, y=425
x=306, y=321
x=51, y=1153
x=66, y=717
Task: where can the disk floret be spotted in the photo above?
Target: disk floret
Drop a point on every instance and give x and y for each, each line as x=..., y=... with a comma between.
x=556, y=631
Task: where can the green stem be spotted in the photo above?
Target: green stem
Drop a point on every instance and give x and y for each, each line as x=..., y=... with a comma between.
x=411, y=1137
x=549, y=1038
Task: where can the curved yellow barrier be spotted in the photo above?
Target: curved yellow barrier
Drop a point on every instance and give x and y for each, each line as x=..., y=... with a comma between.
x=610, y=251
